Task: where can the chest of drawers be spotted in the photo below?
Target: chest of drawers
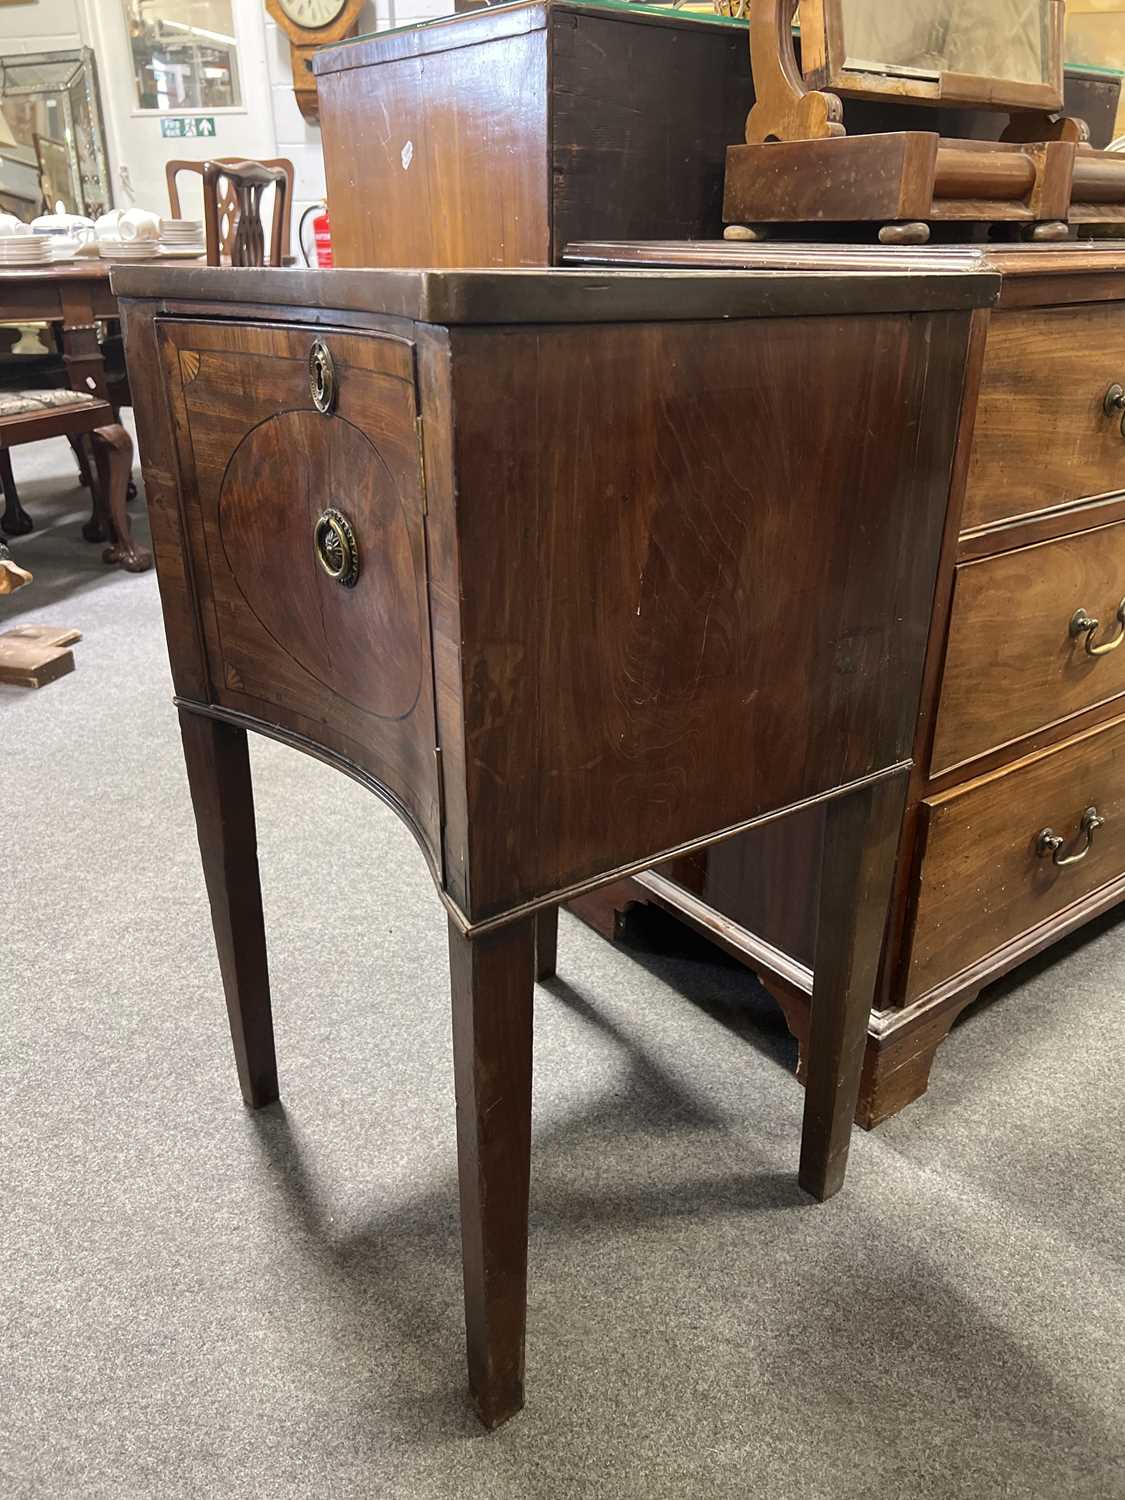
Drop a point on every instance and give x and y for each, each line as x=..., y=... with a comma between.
x=557, y=566
x=1012, y=834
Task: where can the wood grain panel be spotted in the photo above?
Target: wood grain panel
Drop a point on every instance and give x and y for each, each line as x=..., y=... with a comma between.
x=680, y=647
x=347, y=668
x=766, y=880
x=1042, y=435
x=1011, y=664
x=188, y=658
x=440, y=160
x=982, y=882
x=627, y=95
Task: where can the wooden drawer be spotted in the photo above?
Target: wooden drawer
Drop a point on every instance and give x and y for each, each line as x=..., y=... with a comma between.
x=1012, y=665
x=983, y=881
x=345, y=666
x=1042, y=436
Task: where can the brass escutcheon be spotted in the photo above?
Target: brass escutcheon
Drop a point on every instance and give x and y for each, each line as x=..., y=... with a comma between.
x=1052, y=843
x=322, y=378
x=335, y=546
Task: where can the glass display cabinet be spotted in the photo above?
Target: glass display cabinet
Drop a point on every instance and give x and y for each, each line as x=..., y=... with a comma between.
x=51, y=106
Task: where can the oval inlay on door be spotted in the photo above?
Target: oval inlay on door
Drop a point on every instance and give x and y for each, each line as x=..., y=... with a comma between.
x=363, y=642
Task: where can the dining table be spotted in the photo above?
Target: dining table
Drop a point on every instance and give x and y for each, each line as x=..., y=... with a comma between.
x=75, y=296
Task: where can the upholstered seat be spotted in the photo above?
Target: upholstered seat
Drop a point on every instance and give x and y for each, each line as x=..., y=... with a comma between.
x=18, y=403
x=88, y=420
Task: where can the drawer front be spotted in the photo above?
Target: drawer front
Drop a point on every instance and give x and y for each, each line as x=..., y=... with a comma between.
x=983, y=878
x=344, y=662
x=1042, y=435
x=1013, y=664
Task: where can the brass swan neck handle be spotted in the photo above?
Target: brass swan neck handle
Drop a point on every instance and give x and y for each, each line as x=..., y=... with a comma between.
x=1082, y=623
x=1052, y=843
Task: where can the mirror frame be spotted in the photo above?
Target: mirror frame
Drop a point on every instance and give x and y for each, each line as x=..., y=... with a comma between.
x=83, y=74
x=823, y=57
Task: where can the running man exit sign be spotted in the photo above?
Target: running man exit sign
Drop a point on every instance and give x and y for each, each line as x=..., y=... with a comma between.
x=188, y=127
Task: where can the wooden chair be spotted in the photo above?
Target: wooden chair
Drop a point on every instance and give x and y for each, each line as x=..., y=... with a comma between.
x=30, y=417
x=21, y=373
x=233, y=195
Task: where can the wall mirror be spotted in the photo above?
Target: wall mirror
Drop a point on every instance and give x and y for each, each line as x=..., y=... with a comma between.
x=991, y=53
x=52, y=112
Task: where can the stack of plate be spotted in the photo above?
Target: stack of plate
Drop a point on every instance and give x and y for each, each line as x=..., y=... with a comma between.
x=182, y=238
x=24, y=250
x=128, y=249
x=63, y=246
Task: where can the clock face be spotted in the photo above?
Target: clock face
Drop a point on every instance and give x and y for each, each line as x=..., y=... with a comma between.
x=311, y=15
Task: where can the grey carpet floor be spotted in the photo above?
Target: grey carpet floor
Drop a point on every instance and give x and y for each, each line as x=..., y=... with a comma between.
x=196, y=1301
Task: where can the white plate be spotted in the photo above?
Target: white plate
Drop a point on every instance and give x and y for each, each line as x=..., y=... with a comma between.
x=191, y=252
x=128, y=254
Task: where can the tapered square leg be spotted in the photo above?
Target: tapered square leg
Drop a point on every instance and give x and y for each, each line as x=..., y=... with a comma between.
x=492, y=980
x=546, y=942
x=218, y=767
x=861, y=840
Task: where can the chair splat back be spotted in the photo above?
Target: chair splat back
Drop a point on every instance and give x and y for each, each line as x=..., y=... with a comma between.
x=232, y=197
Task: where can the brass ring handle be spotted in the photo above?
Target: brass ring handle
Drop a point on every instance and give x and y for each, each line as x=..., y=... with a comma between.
x=322, y=378
x=1083, y=624
x=335, y=546
x=1052, y=843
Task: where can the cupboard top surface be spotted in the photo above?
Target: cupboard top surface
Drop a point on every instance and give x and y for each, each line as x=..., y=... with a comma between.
x=1014, y=260
x=552, y=296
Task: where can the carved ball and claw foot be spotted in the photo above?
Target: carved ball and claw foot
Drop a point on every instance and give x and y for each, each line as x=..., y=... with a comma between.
x=113, y=462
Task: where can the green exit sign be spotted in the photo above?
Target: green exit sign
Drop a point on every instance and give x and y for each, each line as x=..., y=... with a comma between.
x=188, y=127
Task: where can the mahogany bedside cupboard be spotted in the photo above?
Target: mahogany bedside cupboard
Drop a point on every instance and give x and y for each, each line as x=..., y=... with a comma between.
x=576, y=572
x=1014, y=833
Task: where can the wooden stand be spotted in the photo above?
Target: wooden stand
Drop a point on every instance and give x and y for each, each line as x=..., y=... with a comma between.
x=799, y=166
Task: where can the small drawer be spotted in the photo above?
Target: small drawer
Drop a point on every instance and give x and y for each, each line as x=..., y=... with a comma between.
x=990, y=869
x=1043, y=434
x=1022, y=651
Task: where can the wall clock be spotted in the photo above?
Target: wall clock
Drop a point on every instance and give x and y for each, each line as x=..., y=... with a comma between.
x=310, y=24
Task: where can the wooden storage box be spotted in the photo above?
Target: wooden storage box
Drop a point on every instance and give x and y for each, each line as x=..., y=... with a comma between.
x=492, y=138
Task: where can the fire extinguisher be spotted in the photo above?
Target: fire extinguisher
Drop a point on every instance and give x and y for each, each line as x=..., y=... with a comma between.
x=322, y=235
